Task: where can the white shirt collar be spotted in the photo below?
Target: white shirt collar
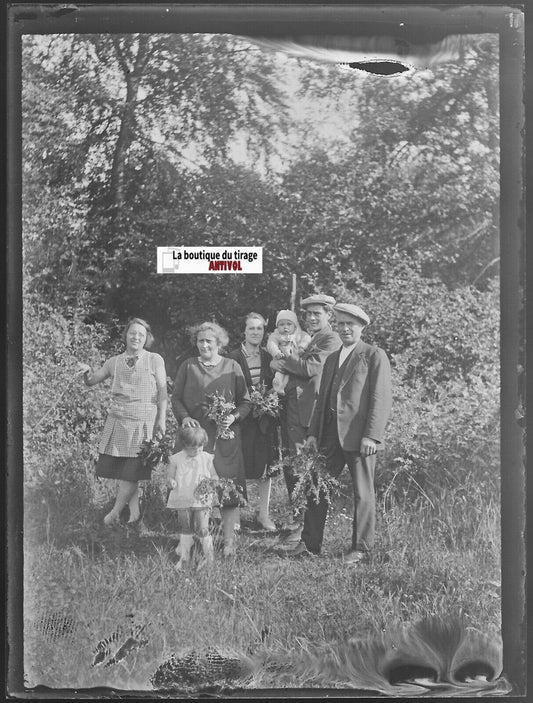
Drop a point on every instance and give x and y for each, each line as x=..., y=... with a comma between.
x=346, y=351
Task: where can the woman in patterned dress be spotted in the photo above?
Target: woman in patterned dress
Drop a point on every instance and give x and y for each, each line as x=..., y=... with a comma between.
x=137, y=413
x=197, y=379
x=259, y=434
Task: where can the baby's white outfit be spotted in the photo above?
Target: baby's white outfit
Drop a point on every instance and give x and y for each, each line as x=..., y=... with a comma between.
x=287, y=345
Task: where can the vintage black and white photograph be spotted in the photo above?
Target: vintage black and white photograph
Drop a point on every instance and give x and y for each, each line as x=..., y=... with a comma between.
x=237, y=482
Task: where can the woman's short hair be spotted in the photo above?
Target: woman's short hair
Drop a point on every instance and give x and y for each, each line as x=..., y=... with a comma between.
x=193, y=436
x=139, y=321
x=254, y=316
x=220, y=333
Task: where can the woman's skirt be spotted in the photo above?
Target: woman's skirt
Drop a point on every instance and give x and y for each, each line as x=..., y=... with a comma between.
x=259, y=445
x=123, y=468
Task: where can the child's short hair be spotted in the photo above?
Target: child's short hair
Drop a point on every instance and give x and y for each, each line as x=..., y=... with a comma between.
x=193, y=436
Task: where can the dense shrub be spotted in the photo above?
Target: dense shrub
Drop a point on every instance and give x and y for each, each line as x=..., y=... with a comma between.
x=62, y=418
x=444, y=350
x=433, y=334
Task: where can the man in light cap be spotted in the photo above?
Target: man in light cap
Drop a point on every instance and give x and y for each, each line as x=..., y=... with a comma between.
x=347, y=426
x=304, y=373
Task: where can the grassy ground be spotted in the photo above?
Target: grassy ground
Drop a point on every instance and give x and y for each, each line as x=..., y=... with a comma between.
x=435, y=554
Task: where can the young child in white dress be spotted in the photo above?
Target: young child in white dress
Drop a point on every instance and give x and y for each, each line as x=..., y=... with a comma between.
x=288, y=339
x=185, y=470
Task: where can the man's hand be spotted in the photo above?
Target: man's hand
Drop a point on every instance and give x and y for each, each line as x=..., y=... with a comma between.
x=277, y=365
x=368, y=446
x=311, y=443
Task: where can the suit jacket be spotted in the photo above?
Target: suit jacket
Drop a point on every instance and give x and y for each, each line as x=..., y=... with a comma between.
x=364, y=398
x=305, y=372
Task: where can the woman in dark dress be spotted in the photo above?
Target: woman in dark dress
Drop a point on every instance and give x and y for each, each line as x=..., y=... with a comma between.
x=259, y=434
x=198, y=378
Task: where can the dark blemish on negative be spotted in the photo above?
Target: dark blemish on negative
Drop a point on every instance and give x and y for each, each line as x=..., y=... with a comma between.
x=56, y=626
x=62, y=10
x=196, y=671
x=104, y=648
x=380, y=68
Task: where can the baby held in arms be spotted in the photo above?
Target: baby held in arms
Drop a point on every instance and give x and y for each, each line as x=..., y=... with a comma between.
x=288, y=339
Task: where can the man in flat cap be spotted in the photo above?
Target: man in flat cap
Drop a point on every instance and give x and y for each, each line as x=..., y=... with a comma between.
x=348, y=425
x=304, y=373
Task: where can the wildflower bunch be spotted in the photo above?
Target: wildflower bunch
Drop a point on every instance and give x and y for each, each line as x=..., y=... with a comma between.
x=218, y=491
x=156, y=451
x=219, y=409
x=313, y=478
x=264, y=402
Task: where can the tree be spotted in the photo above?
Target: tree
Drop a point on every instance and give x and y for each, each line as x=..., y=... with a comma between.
x=122, y=103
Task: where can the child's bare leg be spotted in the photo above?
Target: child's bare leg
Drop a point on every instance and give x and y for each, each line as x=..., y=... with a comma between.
x=201, y=528
x=124, y=493
x=185, y=525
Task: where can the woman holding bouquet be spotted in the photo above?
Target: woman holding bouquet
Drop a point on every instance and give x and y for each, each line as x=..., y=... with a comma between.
x=259, y=429
x=137, y=413
x=199, y=382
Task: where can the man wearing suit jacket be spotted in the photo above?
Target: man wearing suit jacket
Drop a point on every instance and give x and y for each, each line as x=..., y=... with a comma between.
x=301, y=391
x=348, y=426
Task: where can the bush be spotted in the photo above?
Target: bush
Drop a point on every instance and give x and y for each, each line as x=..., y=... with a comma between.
x=62, y=418
x=432, y=334
x=444, y=350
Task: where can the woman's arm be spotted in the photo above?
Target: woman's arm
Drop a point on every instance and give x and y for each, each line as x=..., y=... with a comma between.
x=160, y=425
x=242, y=397
x=181, y=413
x=90, y=377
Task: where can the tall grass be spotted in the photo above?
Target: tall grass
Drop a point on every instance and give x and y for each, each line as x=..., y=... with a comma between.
x=435, y=554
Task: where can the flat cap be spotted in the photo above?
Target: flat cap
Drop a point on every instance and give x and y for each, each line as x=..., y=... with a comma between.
x=353, y=310
x=318, y=299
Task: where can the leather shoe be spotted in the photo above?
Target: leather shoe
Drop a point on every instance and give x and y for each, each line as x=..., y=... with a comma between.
x=355, y=557
x=294, y=537
x=299, y=552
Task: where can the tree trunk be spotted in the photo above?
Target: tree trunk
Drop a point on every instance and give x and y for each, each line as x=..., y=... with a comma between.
x=126, y=132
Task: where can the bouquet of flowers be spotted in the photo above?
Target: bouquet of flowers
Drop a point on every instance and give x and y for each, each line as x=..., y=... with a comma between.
x=156, y=451
x=264, y=402
x=309, y=467
x=219, y=409
x=216, y=491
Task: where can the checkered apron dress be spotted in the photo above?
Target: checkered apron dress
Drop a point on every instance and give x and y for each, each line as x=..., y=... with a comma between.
x=133, y=408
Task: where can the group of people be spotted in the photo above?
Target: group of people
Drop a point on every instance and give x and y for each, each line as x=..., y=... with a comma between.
x=335, y=397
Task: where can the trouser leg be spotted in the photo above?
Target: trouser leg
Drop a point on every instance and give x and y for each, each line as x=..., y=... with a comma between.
x=316, y=513
x=362, y=471
x=292, y=434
